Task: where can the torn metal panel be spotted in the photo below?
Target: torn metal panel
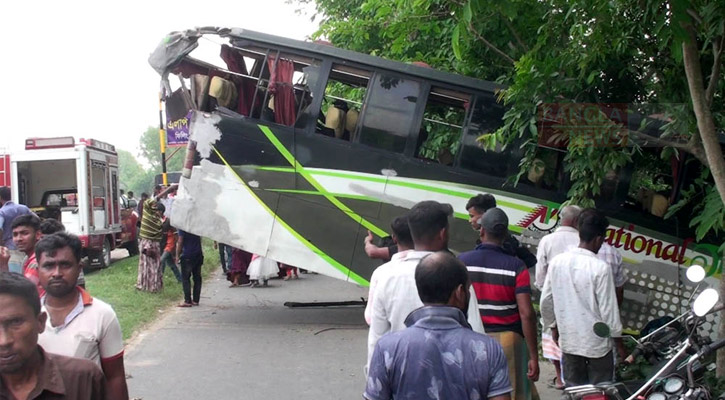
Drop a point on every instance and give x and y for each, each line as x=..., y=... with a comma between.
x=214, y=202
x=177, y=45
x=204, y=132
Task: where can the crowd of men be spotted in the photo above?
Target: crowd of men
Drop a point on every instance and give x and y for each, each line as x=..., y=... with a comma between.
x=443, y=326
x=56, y=340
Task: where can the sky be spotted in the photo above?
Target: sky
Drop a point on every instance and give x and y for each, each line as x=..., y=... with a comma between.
x=79, y=68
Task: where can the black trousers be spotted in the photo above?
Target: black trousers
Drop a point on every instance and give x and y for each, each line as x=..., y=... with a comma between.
x=191, y=267
x=580, y=370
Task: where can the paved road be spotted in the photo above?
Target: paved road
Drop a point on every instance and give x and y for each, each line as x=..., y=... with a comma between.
x=243, y=343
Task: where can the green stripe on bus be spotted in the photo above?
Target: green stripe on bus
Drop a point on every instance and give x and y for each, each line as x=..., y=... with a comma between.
x=301, y=170
x=316, y=193
x=420, y=186
x=412, y=185
x=350, y=274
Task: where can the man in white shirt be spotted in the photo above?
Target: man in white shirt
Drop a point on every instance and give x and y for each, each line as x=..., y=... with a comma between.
x=401, y=236
x=579, y=292
x=610, y=255
x=78, y=325
x=562, y=239
x=396, y=295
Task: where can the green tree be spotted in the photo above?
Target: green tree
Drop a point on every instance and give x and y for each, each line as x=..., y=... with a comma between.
x=662, y=58
x=132, y=174
x=151, y=151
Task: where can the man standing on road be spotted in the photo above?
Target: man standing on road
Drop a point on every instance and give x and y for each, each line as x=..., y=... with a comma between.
x=403, y=243
x=502, y=288
x=610, y=255
x=565, y=237
x=8, y=212
x=26, y=233
x=579, y=292
x=444, y=358
x=395, y=295
x=476, y=207
x=78, y=325
x=26, y=370
x=191, y=257
x=50, y=226
x=400, y=235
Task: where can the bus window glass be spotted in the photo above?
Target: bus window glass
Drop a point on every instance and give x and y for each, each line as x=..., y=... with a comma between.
x=304, y=86
x=389, y=112
x=486, y=118
x=651, y=184
x=547, y=168
x=440, y=135
x=344, y=94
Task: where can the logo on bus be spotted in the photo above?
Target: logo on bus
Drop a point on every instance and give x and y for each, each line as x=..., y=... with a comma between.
x=542, y=219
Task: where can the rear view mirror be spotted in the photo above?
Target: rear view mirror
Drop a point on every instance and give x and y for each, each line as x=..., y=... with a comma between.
x=602, y=330
x=695, y=273
x=705, y=302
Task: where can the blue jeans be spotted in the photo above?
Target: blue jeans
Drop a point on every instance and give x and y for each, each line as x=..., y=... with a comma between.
x=167, y=258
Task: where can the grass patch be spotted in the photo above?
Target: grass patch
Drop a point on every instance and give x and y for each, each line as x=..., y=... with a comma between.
x=116, y=286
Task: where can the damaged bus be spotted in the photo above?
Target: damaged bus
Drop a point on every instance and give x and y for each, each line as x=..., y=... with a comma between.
x=298, y=149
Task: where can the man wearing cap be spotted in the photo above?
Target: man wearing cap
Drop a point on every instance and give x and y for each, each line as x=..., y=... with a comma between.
x=502, y=286
x=447, y=359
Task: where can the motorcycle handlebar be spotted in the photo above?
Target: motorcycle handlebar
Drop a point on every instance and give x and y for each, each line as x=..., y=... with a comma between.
x=712, y=347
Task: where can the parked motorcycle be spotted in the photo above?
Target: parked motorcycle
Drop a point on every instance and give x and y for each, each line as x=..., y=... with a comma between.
x=682, y=353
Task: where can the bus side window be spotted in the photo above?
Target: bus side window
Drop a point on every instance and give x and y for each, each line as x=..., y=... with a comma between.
x=306, y=93
x=650, y=185
x=390, y=112
x=344, y=93
x=440, y=134
x=547, y=169
x=486, y=118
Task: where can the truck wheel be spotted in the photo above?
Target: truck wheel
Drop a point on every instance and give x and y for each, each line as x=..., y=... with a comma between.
x=100, y=258
x=106, y=253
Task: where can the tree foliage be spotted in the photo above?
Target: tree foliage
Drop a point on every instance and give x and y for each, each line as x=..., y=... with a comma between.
x=561, y=51
x=132, y=174
x=139, y=176
x=151, y=151
x=663, y=59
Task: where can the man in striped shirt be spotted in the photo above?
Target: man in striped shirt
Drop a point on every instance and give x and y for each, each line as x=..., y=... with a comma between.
x=502, y=287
